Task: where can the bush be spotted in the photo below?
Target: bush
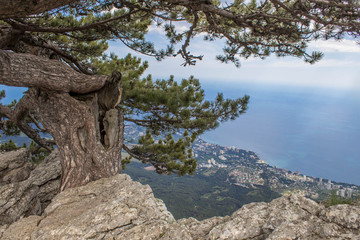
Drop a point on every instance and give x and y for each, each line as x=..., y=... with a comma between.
x=335, y=200
x=8, y=146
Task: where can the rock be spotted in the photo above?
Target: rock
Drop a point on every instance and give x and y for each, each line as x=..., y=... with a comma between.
x=31, y=193
x=191, y=228
x=15, y=166
x=22, y=229
x=342, y=215
x=288, y=217
x=119, y=208
x=110, y=208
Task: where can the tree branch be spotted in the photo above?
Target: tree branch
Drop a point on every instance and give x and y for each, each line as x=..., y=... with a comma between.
x=158, y=165
x=23, y=8
x=36, y=122
x=25, y=70
x=132, y=154
x=36, y=41
x=35, y=28
x=18, y=116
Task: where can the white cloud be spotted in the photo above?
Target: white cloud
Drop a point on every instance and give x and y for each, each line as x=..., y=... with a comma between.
x=298, y=63
x=344, y=46
x=340, y=67
x=179, y=27
x=155, y=29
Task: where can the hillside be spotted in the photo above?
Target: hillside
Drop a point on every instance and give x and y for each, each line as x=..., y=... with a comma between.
x=226, y=179
x=120, y=208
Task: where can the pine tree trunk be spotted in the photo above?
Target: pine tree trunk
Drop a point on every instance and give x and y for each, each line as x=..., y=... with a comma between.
x=74, y=124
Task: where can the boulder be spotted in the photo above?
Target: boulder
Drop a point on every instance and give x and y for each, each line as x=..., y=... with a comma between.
x=110, y=208
x=119, y=208
x=30, y=193
x=15, y=166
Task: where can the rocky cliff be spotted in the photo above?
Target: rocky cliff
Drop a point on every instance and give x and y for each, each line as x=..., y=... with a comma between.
x=119, y=208
x=25, y=188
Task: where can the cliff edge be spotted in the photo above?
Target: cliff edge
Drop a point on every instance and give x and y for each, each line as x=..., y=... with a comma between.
x=119, y=208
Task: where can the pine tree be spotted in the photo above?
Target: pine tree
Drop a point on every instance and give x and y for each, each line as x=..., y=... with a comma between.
x=8, y=146
x=83, y=96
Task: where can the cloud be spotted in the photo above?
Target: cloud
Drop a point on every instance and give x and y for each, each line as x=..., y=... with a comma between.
x=344, y=46
x=324, y=63
x=338, y=69
x=155, y=29
x=179, y=27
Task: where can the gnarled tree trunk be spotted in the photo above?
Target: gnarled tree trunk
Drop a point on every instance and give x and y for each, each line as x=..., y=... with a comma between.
x=78, y=110
x=74, y=125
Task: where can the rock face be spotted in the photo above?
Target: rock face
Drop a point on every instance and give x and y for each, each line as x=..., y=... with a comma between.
x=14, y=166
x=26, y=189
x=108, y=208
x=119, y=208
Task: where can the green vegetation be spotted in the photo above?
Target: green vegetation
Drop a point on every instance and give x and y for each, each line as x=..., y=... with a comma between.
x=38, y=153
x=335, y=200
x=72, y=39
x=198, y=196
x=8, y=146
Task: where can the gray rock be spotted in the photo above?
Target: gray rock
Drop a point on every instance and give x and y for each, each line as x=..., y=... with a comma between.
x=110, y=208
x=342, y=215
x=288, y=217
x=33, y=192
x=119, y=208
x=15, y=166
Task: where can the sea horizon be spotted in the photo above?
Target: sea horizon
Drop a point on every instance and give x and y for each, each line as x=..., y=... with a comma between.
x=309, y=130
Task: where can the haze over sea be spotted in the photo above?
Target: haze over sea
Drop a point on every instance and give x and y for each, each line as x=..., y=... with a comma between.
x=301, y=117
x=311, y=130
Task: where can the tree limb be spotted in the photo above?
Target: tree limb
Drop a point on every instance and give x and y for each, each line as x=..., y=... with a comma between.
x=159, y=166
x=35, y=28
x=18, y=116
x=23, y=8
x=36, y=122
x=25, y=70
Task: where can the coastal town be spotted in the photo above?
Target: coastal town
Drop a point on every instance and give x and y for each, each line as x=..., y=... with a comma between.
x=247, y=170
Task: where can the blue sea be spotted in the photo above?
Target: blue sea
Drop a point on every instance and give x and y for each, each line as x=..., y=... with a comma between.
x=311, y=130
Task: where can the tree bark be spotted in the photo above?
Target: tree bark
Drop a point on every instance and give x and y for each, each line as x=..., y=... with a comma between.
x=25, y=70
x=75, y=127
x=23, y=8
x=90, y=146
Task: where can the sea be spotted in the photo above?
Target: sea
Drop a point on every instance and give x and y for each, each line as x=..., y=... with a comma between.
x=314, y=131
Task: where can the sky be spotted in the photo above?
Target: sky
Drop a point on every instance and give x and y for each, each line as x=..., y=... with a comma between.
x=339, y=68
x=338, y=72
x=317, y=137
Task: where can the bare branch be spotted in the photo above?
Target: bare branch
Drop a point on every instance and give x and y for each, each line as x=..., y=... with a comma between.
x=36, y=122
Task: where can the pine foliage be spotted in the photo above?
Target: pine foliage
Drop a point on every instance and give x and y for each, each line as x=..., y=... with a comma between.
x=166, y=107
x=78, y=35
